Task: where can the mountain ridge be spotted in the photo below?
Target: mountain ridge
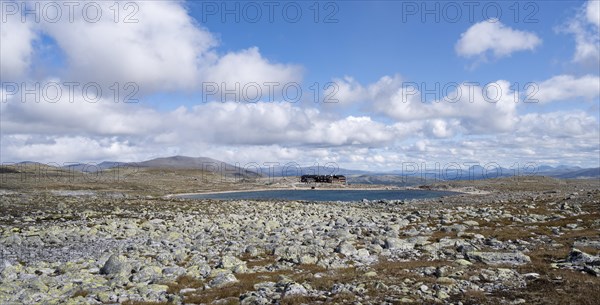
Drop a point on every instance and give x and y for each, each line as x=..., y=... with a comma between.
x=476, y=172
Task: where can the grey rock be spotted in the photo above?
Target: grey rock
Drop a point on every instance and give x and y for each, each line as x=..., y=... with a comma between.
x=116, y=264
x=252, y=298
x=147, y=274
x=252, y=251
x=499, y=258
x=231, y=262
x=308, y=259
x=223, y=279
x=174, y=271
x=578, y=257
x=4, y=263
x=199, y=270
x=295, y=289
x=289, y=253
x=345, y=248
x=471, y=223
x=587, y=243
x=398, y=244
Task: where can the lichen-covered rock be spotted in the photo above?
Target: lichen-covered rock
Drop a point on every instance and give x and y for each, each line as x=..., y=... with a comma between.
x=223, y=279
x=116, y=264
x=398, y=244
x=499, y=258
x=345, y=248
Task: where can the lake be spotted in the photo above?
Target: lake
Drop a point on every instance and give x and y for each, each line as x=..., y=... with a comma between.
x=325, y=195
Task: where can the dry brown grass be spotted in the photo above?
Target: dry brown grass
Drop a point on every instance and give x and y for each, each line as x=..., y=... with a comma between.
x=136, y=180
x=81, y=293
x=437, y=235
x=252, y=262
x=183, y=282
x=473, y=297
x=389, y=268
x=296, y=300
x=246, y=282
x=512, y=232
x=572, y=288
x=327, y=278
x=555, y=286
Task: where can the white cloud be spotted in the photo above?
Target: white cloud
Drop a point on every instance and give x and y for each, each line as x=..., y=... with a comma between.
x=165, y=49
x=227, y=123
x=466, y=105
x=248, y=67
x=347, y=91
x=492, y=35
x=593, y=12
x=16, y=48
x=565, y=87
x=561, y=124
x=539, y=138
x=59, y=149
x=585, y=26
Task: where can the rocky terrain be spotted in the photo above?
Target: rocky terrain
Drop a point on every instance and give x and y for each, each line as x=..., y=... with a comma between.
x=533, y=241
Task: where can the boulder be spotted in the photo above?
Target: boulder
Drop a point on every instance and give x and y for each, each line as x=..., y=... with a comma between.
x=116, y=264
x=398, y=244
x=223, y=279
x=499, y=258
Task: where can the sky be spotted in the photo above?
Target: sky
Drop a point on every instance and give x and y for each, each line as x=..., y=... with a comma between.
x=371, y=85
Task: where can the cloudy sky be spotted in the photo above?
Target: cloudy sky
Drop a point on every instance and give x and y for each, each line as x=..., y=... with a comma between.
x=365, y=84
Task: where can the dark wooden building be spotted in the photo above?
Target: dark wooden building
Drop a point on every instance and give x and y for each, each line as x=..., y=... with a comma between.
x=323, y=179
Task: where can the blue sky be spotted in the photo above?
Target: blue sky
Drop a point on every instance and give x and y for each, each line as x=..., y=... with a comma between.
x=374, y=52
x=370, y=39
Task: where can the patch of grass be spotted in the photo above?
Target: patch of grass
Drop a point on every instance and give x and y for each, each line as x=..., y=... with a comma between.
x=296, y=300
x=587, y=220
x=327, y=278
x=472, y=297
x=259, y=261
x=542, y=258
x=246, y=282
x=437, y=235
x=81, y=293
x=182, y=282
x=572, y=288
x=393, y=268
x=512, y=231
x=343, y=298
x=311, y=268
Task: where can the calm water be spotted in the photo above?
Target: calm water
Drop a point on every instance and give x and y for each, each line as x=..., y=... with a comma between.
x=326, y=195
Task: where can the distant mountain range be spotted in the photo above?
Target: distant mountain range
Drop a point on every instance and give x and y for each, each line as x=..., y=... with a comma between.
x=408, y=176
x=175, y=162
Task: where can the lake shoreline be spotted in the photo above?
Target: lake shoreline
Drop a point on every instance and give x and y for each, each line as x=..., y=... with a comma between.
x=457, y=190
x=324, y=195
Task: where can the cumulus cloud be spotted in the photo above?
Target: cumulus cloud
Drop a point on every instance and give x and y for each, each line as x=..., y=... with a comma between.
x=160, y=48
x=249, y=70
x=585, y=27
x=491, y=35
x=59, y=149
x=16, y=48
x=560, y=124
x=535, y=138
x=592, y=11
x=565, y=87
x=471, y=108
x=227, y=123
